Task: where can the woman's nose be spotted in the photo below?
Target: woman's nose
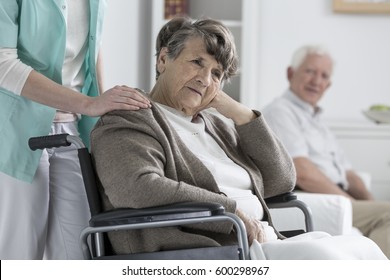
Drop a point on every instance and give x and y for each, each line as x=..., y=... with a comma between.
x=204, y=77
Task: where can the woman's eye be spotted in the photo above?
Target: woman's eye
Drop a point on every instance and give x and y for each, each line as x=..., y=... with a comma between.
x=218, y=75
x=197, y=61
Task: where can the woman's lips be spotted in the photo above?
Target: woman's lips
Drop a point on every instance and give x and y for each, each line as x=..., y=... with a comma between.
x=196, y=91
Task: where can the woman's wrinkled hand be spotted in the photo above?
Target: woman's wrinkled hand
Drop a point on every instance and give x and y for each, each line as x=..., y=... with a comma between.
x=232, y=109
x=116, y=98
x=254, y=228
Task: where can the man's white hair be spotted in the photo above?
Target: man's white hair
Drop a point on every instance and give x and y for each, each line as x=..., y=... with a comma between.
x=301, y=53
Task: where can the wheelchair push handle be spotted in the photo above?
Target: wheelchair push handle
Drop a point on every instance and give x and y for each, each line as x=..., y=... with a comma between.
x=55, y=141
x=50, y=141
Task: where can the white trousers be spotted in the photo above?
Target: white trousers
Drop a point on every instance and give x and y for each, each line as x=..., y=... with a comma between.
x=44, y=219
x=318, y=246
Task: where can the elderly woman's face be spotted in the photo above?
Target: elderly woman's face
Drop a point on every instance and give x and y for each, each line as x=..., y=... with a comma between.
x=192, y=80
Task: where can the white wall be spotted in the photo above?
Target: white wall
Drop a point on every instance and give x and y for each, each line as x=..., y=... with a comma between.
x=360, y=44
x=125, y=43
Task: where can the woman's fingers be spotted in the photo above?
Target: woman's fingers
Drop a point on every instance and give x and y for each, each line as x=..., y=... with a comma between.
x=256, y=231
x=254, y=228
x=117, y=98
x=131, y=96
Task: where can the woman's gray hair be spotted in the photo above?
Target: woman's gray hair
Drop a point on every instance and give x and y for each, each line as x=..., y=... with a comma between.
x=218, y=39
x=300, y=54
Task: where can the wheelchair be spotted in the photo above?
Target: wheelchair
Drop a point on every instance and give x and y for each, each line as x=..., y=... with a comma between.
x=93, y=239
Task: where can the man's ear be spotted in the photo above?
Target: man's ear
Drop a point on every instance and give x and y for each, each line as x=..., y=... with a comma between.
x=290, y=73
x=162, y=59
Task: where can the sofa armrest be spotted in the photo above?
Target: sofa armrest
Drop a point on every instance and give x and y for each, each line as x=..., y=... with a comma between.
x=331, y=213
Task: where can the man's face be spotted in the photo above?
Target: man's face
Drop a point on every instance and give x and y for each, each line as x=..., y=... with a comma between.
x=310, y=80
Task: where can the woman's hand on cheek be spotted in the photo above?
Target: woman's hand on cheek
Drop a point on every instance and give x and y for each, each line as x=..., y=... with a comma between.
x=232, y=109
x=218, y=101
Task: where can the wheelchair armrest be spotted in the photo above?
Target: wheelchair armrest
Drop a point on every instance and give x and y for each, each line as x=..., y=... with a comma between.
x=284, y=197
x=185, y=210
x=288, y=200
x=171, y=215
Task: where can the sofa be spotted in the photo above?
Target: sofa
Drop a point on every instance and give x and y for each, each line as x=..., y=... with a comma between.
x=331, y=213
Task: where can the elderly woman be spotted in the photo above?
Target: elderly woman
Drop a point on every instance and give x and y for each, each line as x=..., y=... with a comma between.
x=196, y=144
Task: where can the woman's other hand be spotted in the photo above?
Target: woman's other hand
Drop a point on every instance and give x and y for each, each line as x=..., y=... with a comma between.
x=254, y=228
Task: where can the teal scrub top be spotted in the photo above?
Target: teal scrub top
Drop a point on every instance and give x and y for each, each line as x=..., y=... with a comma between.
x=37, y=29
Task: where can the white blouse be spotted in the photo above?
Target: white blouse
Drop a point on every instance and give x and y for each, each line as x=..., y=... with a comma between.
x=232, y=179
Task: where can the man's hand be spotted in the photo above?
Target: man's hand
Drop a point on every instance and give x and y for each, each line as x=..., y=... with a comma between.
x=356, y=187
x=311, y=179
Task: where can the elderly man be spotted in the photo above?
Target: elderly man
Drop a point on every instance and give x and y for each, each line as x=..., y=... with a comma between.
x=321, y=166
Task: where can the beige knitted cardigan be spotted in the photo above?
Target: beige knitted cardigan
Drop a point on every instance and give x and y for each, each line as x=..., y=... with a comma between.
x=142, y=162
